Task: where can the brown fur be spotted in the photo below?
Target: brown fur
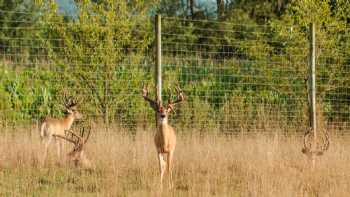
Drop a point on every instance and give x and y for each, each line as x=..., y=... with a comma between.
x=165, y=139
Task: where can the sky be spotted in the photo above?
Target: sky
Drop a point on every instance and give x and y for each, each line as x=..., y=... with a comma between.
x=68, y=6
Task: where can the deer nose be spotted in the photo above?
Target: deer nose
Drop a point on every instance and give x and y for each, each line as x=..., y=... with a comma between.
x=162, y=115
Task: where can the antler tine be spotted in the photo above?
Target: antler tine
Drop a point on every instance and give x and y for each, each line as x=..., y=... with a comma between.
x=170, y=95
x=144, y=90
x=67, y=139
x=72, y=101
x=326, y=142
x=306, y=147
x=79, y=138
x=65, y=99
x=180, y=96
x=152, y=102
x=88, y=134
x=180, y=92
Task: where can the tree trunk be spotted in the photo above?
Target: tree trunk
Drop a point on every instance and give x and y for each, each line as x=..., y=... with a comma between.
x=190, y=4
x=220, y=8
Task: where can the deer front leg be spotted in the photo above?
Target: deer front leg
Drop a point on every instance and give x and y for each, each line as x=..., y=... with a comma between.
x=161, y=167
x=169, y=165
x=58, y=147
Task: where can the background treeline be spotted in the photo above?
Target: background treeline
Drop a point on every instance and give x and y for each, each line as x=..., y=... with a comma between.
x=242, y=64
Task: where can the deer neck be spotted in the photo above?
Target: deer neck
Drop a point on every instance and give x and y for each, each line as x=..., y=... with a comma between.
x=163, y=124
x=68, y=120
x=162, y=121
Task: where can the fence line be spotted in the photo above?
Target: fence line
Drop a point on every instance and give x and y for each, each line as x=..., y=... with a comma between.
x=235, y=77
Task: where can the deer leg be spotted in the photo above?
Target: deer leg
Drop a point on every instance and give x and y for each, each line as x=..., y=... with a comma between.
x=85, y=161
x=169, y=165
x=58, y=146
x=161, y=167
x=46, y=142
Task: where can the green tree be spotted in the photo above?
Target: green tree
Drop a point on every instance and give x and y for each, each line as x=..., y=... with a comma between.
x=102, y=49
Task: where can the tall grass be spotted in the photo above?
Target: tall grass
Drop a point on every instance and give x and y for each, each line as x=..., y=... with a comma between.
x=204, y=165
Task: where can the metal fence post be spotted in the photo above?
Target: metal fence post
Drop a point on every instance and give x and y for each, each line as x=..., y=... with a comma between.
x=158, y=69
x=312, y=85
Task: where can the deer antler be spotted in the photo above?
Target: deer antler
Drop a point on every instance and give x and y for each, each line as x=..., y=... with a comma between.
x=152, y=102
x=69, y=101
x=78, y=140
x=73, y=141
x=307, y=145
x=77, y=154
x=84, y=136
x=71, y=137
x=325, y=145
x=180, y=98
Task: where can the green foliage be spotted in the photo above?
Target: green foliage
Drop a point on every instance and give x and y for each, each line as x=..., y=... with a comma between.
x=254, y=67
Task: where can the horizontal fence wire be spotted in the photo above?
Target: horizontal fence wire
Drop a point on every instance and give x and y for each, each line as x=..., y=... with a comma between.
x=333, y=73
x=235, y=77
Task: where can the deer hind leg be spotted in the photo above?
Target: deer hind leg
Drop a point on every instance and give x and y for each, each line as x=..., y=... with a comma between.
x=162, y=166
x=169, y=165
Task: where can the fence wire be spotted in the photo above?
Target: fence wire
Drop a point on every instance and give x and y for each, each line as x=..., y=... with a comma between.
x=236, y=77
x=239, y=77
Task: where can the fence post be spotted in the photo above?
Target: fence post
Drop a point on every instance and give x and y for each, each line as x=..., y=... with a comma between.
x=312, y=85
x=158, y=69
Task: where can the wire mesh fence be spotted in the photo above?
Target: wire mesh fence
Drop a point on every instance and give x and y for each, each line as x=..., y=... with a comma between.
x=240, y=77
x=102, y=63
x=333, y=75
x=236, y=77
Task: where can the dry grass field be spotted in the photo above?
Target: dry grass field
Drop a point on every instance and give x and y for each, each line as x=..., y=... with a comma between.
x=204, y=165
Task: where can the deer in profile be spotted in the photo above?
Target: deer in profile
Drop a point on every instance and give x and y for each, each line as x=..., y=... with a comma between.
x=77, y=155
x=51, y=127
x=165, y=137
